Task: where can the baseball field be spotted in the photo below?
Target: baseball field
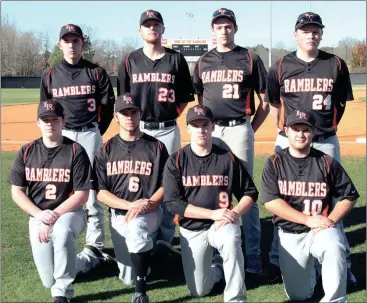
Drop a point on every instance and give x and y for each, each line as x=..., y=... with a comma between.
x=20, y=281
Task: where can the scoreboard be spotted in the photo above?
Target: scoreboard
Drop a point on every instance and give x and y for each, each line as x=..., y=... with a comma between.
x=191, y=49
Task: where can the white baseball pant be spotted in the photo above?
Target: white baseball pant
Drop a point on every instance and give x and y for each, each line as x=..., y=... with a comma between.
x=197, y=253
x=56, y=260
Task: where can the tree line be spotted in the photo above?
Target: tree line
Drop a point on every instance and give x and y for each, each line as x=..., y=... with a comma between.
x=27, y=54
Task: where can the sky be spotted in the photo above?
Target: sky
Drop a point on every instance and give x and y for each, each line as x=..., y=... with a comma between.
x=119, y=20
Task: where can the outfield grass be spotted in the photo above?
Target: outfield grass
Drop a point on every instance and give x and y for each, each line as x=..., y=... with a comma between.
x=20, y=281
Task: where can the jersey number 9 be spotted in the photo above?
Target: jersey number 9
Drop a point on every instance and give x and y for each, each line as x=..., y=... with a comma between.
x=224, y=201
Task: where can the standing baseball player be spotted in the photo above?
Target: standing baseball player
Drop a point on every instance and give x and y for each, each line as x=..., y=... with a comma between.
x=298, y=186
x=199, y=181
x=51, y=179
x=310, y=79
x=225, y=80
x=160, y=78
x=129, y=169
x=85, y=91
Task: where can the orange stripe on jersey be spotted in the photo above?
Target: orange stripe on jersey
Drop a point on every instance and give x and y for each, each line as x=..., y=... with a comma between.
x=175, y=220
x=99, y=108
x=325, y=211
x=279, y=69
x=274, y=159
x=97, y=75
x=335, y=124
x=248, y=102
x=281, y=115
x=74, y=150
x=160, y=145
x=104, y=146
x=178, y=110
x=251, y=62
x=26, y=151
x=339, y=63
x=48, y=80
x=231, y=156
x=177, y=157
x=126, y=63
x=327, y=166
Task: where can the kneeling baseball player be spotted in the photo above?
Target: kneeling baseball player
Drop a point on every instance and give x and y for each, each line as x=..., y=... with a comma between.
x=129, y=170
x=199, y=181
x=51, y=180
x=298, y=185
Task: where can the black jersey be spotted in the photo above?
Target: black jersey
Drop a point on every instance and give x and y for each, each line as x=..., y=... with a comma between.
x=306, y=184
x=131, y=170
x=161, y=85
x=227, y=82
x=322, y=86
x=51, y=175
x=84, y=90
x=207, y=182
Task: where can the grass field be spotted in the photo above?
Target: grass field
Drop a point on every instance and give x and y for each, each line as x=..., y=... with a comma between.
x=20, y=281
x=31, y=95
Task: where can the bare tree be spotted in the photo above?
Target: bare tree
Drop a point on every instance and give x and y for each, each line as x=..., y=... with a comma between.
x=9, y=39
x=347, y=43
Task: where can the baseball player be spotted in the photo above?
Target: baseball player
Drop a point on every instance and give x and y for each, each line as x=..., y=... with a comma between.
x=298, y=185
x=225, y=80
x=51, y=179
x=85, y=91
x=310, y=79
x=199, y=181
x=129, y=169
x=160, y=78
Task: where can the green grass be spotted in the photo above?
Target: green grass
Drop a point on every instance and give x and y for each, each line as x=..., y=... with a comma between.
x=20, y=281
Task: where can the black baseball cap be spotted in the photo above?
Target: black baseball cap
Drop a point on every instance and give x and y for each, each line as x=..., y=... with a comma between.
x=308, y=18
x=71, y=29
x=224, y=13
x=151, y=15
x=199, y=112
x=50, y=107
x=126, y=101
x=300, y=117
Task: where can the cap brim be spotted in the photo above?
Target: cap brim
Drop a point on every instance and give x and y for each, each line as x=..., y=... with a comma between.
x=49, y=114
x=198, y=118
x=297, y=122
x=223, y=16
x=130, y=106
x=303, y=24
x=152, y=18
x=72, y=33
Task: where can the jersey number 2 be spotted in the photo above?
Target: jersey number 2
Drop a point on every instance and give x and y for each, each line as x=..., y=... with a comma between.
x=312, y=208
x=50, y=192
x=166, y=95
x=230, y=91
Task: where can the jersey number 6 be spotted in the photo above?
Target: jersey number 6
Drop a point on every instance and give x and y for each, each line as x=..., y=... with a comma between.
x=134, y=184
x=166, y=95
x=312, y=208
x=50, y=192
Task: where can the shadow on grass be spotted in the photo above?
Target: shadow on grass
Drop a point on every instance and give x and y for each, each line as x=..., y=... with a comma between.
x=356, y=216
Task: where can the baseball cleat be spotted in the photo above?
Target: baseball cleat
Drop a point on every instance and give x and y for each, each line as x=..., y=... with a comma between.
x=253, y=264
x=60, y=300
x=274, y=274
x=101, y=256
x=138, y=297
x=351, y=279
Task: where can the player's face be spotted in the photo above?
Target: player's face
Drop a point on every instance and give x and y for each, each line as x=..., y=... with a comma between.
x=51, y=126
x=224, y=30
x=299, y=136
x=128, y=119
x=200, y=131
x=71, y=46
x=308, y=37
x=151, y=31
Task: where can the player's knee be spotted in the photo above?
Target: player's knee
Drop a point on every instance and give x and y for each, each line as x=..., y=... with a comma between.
x=335, y=250
x=63, y=236
x=48, y=282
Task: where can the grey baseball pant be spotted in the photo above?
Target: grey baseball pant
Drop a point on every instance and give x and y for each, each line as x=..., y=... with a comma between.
x=331, y=147
x=132, y=237
x=197, y=253
x=91, y=140
x=240, y=140
x=296, y=259
x=56, y=260
x=171, y=138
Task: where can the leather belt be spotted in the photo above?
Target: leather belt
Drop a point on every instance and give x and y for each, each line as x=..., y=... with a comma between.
x=158, y=125
x=231, y=123
x=82, y=128
x=315, y=139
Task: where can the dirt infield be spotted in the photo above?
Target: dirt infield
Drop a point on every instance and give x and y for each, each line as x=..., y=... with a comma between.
x=18, y=126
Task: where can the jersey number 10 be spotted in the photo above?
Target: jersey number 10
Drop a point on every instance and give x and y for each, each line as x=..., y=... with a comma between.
x=312, y=208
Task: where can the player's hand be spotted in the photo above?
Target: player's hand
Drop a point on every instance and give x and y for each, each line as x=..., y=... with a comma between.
x=44, y=233
x=319, y=222
x=224, y=214
x=219, y=224
x=137, y=208
x=47, y=216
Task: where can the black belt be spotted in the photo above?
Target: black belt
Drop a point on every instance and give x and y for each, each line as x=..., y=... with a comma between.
x=296, y=232
x=121, y=212
x=158, y=125
x=233, y=122
x=315, y=139
x=82, y=128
